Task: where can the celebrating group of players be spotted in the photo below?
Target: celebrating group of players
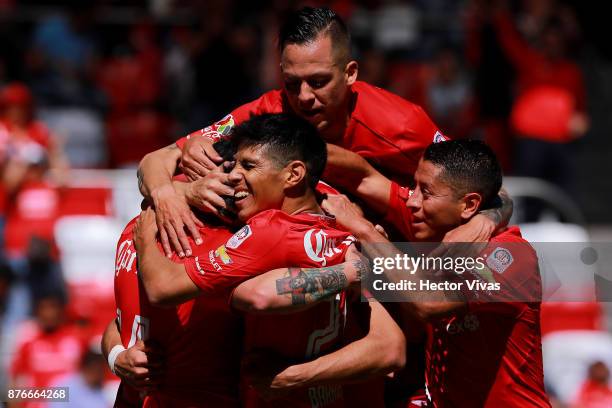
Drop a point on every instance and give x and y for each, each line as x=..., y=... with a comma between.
x=239, y=284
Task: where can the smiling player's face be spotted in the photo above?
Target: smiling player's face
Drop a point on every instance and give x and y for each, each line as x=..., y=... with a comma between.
x=258, y=181
x=434, y=205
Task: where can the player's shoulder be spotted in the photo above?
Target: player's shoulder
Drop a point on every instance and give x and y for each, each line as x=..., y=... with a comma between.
x=510, y=234
x=390, y=115
x=508, y=247
x=128, y=230
x=373, y=98
x=269, y=102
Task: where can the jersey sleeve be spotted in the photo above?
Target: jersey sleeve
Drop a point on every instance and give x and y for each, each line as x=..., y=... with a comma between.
x=398, y=214
x=256, y=248
x=511, y=270
x=223, y=127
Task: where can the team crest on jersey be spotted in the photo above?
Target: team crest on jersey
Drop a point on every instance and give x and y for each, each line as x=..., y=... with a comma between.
x=439, y=137
x=239, y=237
x=221, y=253
x=500, y=259
x=220, y=129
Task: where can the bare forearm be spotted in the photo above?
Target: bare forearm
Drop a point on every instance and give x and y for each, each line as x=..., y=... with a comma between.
x=156, y=170
x=159, y=275
x=341, y=366
x=111, y=338
x=292, y=289
x=353, y=173
x=422, y=304
x=381, y=351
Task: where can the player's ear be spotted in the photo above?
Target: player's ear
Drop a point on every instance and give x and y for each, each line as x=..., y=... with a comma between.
x=470, y=204
x=351, y=70
x=295, y=172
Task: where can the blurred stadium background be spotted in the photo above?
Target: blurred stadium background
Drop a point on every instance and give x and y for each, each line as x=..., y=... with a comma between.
x=87, y=88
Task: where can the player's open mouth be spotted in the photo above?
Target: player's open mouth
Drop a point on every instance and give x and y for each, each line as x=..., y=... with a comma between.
x=240, y=195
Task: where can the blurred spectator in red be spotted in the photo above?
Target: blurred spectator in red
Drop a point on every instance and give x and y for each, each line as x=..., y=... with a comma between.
x=596, y=391
x=550, y=106
x=48, y=348
x=449, y=95
x=23, y=139
x=133, y=134
x=86, y=386
x=133, y=76
x=28, y=151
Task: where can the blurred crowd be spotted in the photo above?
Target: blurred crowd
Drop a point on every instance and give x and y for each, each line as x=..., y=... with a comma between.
x=98, y=84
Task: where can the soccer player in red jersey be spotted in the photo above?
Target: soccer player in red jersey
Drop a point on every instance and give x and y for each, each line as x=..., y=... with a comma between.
x=220, y=266
x=484, y=346
x=320, y=85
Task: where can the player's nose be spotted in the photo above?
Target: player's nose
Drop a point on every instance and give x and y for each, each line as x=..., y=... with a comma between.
x=415, y=200
x=235, y=176
x=306, y=96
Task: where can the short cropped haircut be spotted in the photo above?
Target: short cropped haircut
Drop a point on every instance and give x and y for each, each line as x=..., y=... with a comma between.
x=468, y=166
x=286, y=138
x=305, y=25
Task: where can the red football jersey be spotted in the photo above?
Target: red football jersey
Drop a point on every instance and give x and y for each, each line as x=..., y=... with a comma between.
x=491, y=354
x=201, y=338
x=273, y=239
x=493, y=350
x=389, y=131
x=42, y=358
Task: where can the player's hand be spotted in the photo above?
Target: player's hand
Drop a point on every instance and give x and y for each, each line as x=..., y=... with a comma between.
x=207, y=193
x=140, y=366
x=479, y=228
x=173, y=215
x=348, y=215
x=145, y=229
x=199, y=157
x=269, y=375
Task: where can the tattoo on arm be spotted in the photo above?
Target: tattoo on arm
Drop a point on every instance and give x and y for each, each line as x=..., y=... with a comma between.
x=311, y=284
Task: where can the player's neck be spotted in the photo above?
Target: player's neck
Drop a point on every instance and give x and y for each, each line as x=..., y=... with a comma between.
x=306, y=203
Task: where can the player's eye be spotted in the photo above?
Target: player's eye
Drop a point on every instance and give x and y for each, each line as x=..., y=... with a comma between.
x=247, y=165
x=292, y=86
x=318, y=83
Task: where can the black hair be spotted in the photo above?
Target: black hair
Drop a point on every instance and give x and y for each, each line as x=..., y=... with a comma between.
x=305, y=25
x=467, y=166
x=225, y=148
x=286, y=138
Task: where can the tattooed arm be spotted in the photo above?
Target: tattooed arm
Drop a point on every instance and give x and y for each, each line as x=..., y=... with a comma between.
x=290, y=289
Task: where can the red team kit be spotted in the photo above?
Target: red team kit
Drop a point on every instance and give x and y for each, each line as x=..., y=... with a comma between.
x=204, y=338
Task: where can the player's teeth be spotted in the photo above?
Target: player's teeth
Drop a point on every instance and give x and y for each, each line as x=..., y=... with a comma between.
x=241, y=194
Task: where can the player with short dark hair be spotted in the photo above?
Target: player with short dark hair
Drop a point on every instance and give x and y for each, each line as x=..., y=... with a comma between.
x=305, y=25
x=285, y=138
x=485, y=341
x=467, y=165
x=320, y=85
x=272, y=239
